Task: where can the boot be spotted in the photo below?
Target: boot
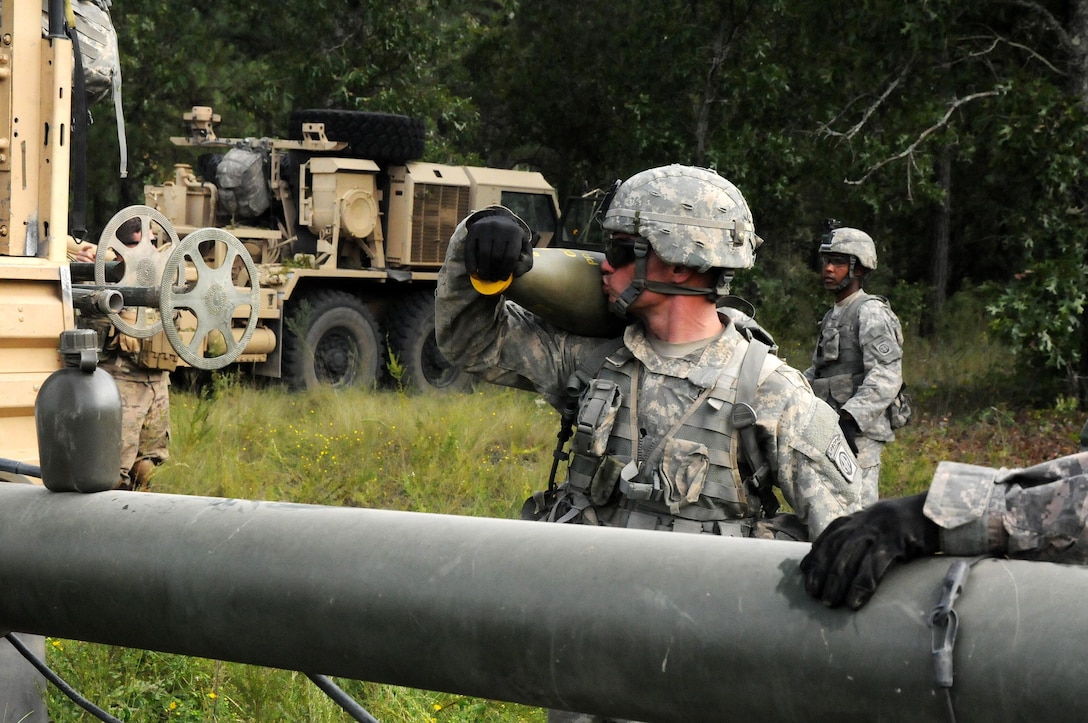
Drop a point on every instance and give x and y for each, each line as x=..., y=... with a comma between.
x=141, y=474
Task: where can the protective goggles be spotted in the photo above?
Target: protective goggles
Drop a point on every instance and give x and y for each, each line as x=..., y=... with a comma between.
x=834, y=259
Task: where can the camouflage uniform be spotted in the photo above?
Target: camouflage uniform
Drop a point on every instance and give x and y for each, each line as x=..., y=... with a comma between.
x=1036, y=513
x=145, y=402
x=858, y=368
x=145, y=414
x=799, y=435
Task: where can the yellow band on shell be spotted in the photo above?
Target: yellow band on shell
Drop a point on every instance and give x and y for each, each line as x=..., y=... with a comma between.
x=490, y=288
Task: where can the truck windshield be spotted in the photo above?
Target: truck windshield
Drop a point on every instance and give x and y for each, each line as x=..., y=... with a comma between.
x=536, y=209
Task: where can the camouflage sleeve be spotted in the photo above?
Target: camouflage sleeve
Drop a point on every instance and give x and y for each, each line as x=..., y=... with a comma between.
x=810, y=373
x=1037, y=513
x=813, y=465
x=881, y=341
x=494, y=338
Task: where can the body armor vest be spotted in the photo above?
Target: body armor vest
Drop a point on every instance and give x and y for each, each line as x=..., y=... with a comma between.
x=690, y=482
x=839, y=364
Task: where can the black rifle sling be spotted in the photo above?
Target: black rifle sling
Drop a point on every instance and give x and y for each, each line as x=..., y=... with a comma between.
x=759, y=483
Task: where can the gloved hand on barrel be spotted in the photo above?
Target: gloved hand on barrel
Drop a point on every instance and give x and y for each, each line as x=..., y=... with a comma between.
x=851, y=556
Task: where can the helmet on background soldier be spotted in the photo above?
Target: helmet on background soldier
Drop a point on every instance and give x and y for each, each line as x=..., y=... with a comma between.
x=851, y=242
x=690, y=216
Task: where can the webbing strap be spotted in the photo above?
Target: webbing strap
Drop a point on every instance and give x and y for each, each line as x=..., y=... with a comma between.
x=750, y=366
x=590, y=363
x=78, y=215
x=744, y=419
x=119, y=112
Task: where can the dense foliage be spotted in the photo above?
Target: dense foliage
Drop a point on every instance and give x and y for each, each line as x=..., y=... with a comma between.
x=952, y=131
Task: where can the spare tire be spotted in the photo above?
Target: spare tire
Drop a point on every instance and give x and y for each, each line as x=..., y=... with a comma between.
x=377, y=136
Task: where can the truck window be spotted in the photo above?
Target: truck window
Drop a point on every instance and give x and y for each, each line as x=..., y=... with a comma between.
x=581, y=229
x=536, y=209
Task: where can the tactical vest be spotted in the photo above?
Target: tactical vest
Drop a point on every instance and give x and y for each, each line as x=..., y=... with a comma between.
x=152, y=353
x=605, y=487
x=839, y=363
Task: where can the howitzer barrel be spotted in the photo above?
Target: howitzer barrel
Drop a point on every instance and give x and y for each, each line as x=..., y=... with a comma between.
x=97, y=301
x=88, y=297
x=83, y=271
x=139, y=295
x=643, y=625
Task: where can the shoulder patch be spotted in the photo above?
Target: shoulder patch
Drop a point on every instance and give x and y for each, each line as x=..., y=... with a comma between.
x=839, y=454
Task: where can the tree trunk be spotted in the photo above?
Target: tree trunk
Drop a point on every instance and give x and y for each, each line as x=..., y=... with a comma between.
x=942, y=224
x=1077, y=30
x=718, y=53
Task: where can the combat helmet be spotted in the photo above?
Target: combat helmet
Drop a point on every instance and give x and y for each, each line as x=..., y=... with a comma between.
x=690, y=217
x=851, y=242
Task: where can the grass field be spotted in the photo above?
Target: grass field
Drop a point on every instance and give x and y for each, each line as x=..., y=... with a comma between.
x=478, y=454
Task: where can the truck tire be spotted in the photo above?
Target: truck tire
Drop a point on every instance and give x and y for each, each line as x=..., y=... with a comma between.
x=410, y=325
x=331, y=338
x=378, y=136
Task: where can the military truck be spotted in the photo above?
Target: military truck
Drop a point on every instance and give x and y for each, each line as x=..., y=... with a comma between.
x=348, y=231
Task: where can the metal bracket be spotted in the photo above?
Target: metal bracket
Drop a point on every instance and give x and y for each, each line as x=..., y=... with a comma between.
x=944, y=622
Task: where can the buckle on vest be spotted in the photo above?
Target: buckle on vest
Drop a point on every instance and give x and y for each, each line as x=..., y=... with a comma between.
x=636, y=490
x=633, y=490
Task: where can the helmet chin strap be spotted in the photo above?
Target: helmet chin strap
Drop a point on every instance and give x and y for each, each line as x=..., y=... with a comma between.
x=639, y=283
x=849, y=276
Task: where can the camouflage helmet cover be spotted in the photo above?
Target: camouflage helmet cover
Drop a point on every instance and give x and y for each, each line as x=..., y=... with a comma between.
x=690, y=216
x=851, y=242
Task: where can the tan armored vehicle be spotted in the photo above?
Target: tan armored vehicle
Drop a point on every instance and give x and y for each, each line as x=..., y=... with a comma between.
x=348, y=232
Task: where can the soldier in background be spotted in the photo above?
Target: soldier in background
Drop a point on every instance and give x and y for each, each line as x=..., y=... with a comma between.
x=1036, y=513
x=143, y=383
x=857, y=367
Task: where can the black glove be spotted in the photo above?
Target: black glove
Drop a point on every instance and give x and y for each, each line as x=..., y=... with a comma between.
x=497, y=247
x=850, y=430
x=850, y=557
